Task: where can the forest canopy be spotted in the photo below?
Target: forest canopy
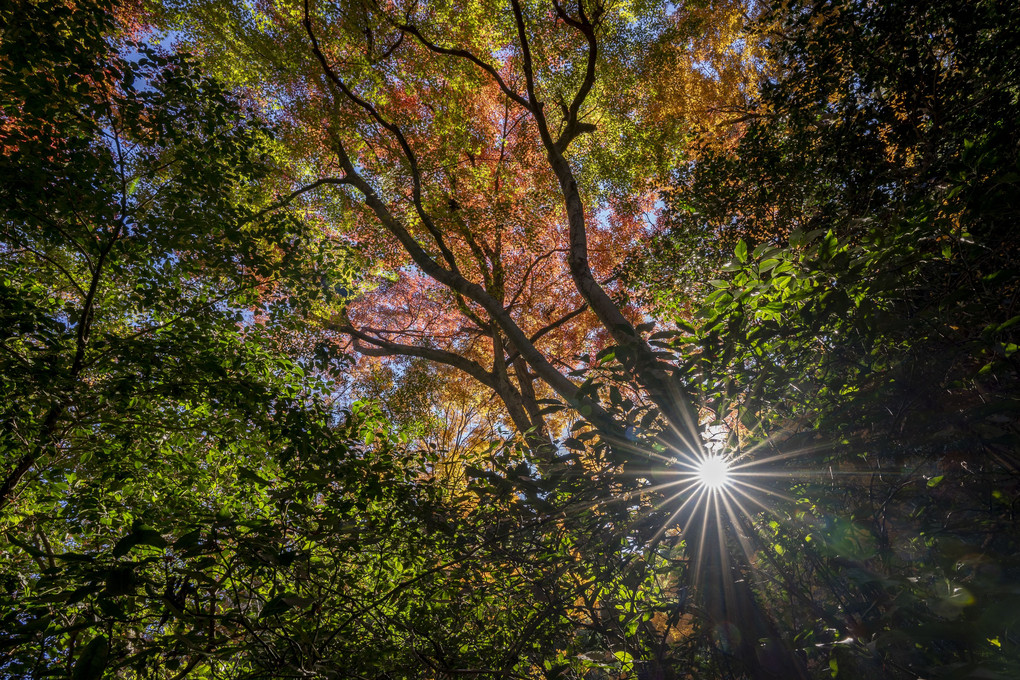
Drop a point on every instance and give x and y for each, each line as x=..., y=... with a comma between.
x=509, y=338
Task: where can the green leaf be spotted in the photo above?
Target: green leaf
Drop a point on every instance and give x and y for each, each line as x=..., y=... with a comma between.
x=93, y=660
x=741, y=251
x=140, y=535
x=282, y=604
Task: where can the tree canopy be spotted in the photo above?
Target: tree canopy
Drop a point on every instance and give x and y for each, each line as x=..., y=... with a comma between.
x=526, y=339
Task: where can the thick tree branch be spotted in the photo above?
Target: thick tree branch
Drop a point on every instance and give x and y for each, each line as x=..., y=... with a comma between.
x=457, y=283
x=451, y=277
x=509, y=394
x=530, y=400
x=644, y=366
x=383, y=347
x=536, y=107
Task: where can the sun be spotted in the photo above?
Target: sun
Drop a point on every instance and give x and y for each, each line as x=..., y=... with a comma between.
x=713, y=473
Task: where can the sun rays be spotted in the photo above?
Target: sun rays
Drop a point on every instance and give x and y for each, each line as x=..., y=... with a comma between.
x=715, y=492
x=712, y=494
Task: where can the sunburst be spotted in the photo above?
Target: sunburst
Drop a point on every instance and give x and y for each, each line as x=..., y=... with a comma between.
x=713, y=472
x=711, y=491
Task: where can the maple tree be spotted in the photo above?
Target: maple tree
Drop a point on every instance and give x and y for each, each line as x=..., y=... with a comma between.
x=473, y=153
x=495, y=162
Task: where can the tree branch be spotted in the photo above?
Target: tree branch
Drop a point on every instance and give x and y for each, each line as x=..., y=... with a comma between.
x=536, y=106
x=457, y=283
x=393, y=128
x=284, y=202
x=383, y=347
x=461, y=54
x=572, y=126
x=535, y=337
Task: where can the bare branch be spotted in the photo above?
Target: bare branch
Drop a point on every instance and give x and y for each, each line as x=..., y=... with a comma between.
x=527, y=274
x=46, y=258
